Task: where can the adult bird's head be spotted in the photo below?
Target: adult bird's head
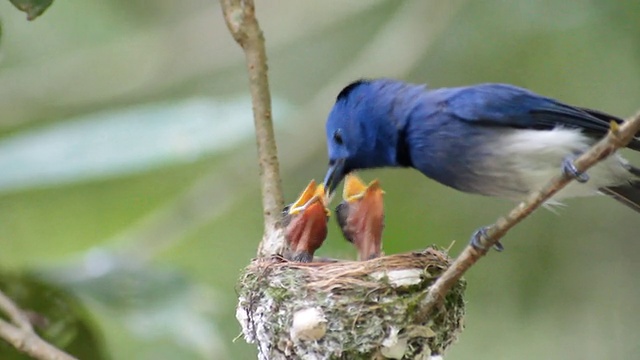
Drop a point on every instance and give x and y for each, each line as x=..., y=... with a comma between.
x=306, y=223
x=365, y=128
x=361, y=216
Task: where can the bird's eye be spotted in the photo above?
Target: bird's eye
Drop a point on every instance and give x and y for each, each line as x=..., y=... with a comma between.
x=337, y=137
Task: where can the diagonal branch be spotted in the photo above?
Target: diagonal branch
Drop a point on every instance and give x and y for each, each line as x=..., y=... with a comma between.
x=19, y=333
x=619, y=136
x=243, y=25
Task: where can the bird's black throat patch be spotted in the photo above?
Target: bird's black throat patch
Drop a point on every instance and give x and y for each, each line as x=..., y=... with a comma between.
x=403, y=155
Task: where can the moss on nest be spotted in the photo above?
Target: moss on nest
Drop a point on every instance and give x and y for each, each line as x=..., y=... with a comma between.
x=363, y=310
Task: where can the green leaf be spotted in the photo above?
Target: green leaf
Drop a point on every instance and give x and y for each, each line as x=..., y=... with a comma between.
x=120, y=142
x=33, y=8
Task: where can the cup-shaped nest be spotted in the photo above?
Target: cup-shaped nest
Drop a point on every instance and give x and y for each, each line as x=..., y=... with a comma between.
x=349, y=309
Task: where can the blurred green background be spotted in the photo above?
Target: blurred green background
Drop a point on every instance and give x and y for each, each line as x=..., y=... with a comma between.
x=128, y=179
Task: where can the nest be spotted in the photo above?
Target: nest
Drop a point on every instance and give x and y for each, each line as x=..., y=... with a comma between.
x=348, y=309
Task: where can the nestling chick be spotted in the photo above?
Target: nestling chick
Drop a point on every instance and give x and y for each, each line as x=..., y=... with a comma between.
x=361, y=216
x=306, y=223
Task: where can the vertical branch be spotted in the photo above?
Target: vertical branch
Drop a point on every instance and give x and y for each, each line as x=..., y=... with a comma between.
x=243, y=25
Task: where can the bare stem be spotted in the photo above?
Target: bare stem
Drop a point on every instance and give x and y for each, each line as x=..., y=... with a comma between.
x=243, y=25
x=618, y=137
x=19, y=333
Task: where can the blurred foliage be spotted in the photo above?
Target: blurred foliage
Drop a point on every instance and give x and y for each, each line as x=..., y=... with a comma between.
x=148, y=301
x=33, y=8
x=57, y=316
x=130, y=182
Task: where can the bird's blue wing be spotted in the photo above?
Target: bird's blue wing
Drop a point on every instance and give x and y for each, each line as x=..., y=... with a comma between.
x=511, y=106
x=505, y=105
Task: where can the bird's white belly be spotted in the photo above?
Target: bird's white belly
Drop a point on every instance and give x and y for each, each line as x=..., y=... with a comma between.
x=525, y=160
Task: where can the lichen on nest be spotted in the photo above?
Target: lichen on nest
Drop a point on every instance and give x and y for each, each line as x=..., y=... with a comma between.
x=348, y=309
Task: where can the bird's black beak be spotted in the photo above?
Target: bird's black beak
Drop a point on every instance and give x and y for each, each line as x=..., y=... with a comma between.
x=334, y=176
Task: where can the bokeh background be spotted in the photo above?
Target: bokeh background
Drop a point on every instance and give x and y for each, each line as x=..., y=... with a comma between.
x=129, y=197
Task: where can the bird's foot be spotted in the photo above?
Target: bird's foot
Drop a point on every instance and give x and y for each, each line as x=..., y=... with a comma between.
x=476, y=240
x=569, y=168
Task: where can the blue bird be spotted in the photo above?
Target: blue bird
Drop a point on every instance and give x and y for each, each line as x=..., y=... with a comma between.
x=490, y=139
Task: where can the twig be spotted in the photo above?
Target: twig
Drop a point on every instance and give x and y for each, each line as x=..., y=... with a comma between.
x=204, y=200
x=243, y=25
x=19, y=333
x=618, y=136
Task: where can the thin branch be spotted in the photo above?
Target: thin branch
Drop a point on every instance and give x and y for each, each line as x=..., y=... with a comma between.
x=619, y=136
x=204, y=201
x=19, y=333
x=243, y=25
x=15, y=315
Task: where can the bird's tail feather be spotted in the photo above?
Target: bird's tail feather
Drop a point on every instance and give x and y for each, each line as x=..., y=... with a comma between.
x=628, y=194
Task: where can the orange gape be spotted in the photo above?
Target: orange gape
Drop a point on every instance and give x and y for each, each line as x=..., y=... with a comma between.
x=306, y=223
x=361, y=216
